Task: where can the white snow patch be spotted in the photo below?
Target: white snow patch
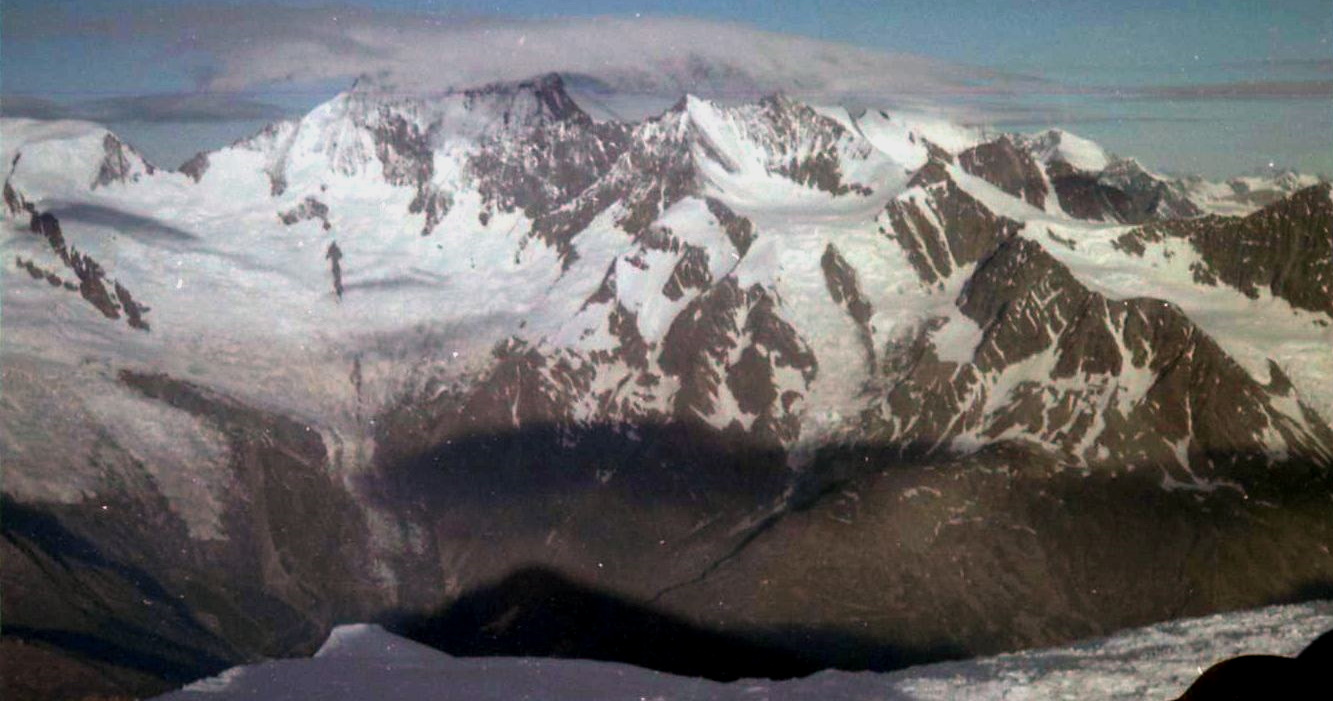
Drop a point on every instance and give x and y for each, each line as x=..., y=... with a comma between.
x=364, y=662
x=1058, y=144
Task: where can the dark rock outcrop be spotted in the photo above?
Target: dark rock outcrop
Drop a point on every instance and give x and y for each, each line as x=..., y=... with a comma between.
x=966, y=232
x=308, y=208
x=1285, y=248
x=334, y=256
x=1003, y=164
x=196, y=166
x=740, y=231
x=544, y=168
x=840, y=278
x=118, y=163
x=804, y=146
x=690, y=273
x=1201, y=412
x=1123, y=193
x=1150, y=197
x=1082, y=196
x=109, y=297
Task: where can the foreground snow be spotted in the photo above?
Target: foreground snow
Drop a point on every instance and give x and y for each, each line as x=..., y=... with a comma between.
x=1157, y=662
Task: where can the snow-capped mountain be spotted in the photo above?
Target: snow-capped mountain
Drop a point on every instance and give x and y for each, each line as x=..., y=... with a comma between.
x=861, y=378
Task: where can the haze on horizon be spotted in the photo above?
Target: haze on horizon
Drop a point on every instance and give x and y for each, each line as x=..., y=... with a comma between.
x=1217, y=89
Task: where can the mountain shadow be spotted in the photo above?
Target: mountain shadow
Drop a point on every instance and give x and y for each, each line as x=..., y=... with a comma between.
x=537, y=611
x=675, y=547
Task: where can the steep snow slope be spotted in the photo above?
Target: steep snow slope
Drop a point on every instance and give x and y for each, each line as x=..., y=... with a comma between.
x=349, y=175
x=1058, y=144
x=362, y=172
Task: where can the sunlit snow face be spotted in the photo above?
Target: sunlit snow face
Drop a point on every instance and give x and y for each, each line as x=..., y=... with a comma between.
x=1171, y=86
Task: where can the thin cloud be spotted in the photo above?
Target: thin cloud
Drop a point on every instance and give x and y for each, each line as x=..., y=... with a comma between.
x=1242, y=90
x=1047, y=119
x=1314, y=65
x=32, y=108
x=179, y=108
x=182, y=107
x=266, y=46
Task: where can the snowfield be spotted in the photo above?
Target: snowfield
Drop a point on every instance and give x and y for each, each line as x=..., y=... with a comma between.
x=365, y=663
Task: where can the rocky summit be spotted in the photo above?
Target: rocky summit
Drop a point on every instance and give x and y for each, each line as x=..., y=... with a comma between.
x=737, y=390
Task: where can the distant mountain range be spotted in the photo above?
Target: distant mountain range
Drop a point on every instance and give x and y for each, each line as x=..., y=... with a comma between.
x=867, y=384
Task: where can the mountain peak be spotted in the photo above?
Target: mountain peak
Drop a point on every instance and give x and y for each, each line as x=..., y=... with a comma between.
x=540, y=98
x=547, y=89
x=1058, y=144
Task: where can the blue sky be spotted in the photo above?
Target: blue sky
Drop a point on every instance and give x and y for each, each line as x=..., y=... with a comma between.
x=1215, y=87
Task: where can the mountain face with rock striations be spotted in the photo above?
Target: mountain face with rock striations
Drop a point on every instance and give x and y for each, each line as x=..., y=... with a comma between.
x=856, y=389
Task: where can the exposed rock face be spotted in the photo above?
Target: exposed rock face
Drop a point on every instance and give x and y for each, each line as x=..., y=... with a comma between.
x=804, y=145
x=1083, y=196
x=691, y=273
x=1003, y=164
x=845, y=291
x=1195, y=414
x=548, y=91
x=334, y=256
x=654, y=173
x=133, y=310
x=121, y=163
x=1285, y=249
x=1003, y=532
x=122, y=582
x=404, y=151
x=1150, y=197
x=274, y=143
x=309, y=208
x=196, y=166
x=108, y=296
x=739, y=230
x=698, y=344
x=92, y=284
x=14, y=202
x=648, y=169
x=1122, y=192
x=1254, y=192
x=631, y=348
x=703, y=337
x=548, y=166
x=36, y=272
x=47, y=226
x=515, y=123
x=945, y=229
